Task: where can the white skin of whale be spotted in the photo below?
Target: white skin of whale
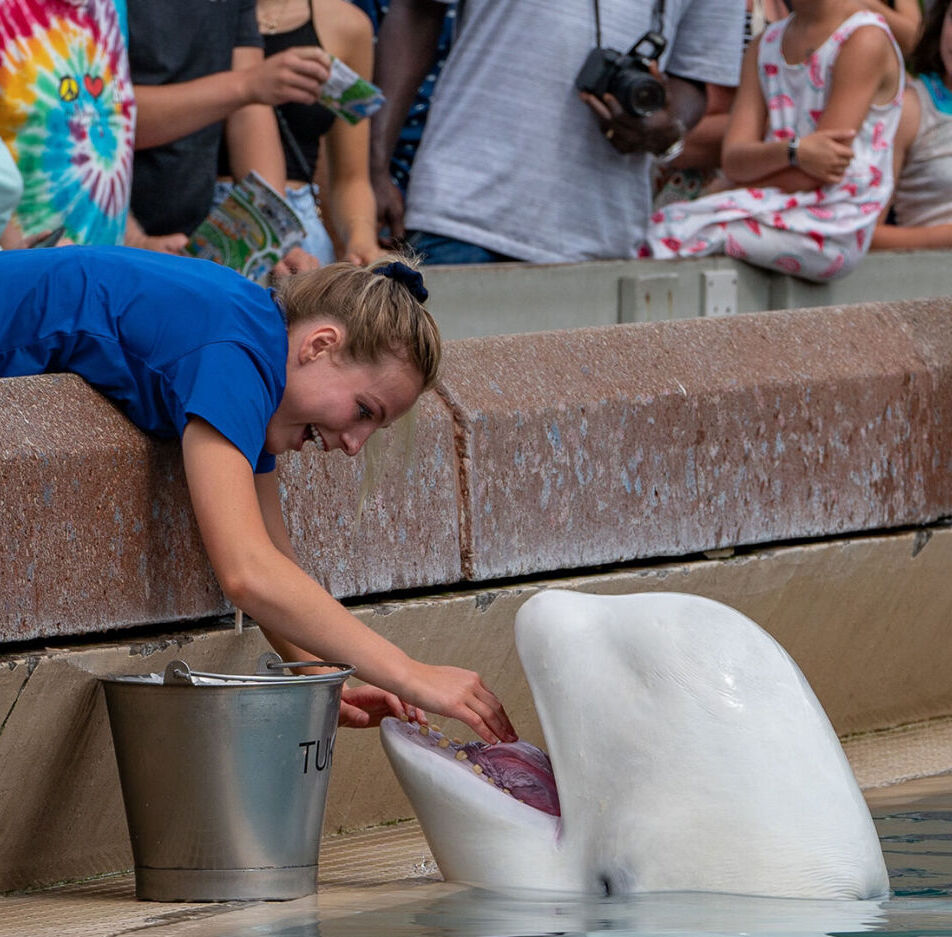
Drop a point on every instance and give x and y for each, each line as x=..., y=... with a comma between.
x=689, y=752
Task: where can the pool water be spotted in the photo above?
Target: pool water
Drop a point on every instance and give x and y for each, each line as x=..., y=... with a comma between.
x=916, y=836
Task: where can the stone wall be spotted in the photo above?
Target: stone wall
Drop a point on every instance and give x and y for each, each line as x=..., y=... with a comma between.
x=537, y=453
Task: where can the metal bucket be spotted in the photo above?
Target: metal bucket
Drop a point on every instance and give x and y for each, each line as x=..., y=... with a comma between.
x=224, y=778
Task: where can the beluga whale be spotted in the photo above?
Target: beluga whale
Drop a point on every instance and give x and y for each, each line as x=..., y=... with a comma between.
x=686, y=752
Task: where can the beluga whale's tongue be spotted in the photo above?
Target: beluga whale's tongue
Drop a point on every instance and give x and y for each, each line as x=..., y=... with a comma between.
x=517, y=769
x=520, y=769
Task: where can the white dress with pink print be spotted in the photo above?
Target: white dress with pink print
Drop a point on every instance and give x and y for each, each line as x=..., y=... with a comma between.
x=817, y=234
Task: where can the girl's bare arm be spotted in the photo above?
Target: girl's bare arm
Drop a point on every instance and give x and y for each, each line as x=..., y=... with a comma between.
x=866, y=71
x=258, y=578
x=350, y=196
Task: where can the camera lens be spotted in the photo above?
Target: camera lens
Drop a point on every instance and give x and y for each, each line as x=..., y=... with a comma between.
x=638, y=93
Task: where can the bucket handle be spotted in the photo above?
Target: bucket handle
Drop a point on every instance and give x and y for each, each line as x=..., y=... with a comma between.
x=271, y=661
x=177, y=672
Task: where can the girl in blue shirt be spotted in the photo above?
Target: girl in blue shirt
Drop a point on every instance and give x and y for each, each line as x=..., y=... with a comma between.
x=191, y=349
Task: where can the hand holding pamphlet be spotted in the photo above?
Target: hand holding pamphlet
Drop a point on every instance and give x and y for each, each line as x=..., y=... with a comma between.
x=348, y=95
x=250, y=231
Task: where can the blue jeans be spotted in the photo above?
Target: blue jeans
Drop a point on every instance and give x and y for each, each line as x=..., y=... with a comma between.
x=437, y=249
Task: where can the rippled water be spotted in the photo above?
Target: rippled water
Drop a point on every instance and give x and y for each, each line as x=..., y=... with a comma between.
x=916, y=836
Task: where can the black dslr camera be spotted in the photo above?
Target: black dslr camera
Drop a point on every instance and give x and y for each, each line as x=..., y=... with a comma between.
x=627, y=77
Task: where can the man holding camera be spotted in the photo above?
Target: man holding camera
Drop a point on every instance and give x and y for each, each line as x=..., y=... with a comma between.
x=546, y=118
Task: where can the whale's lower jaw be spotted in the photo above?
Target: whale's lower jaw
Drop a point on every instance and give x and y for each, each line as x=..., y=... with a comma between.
x=692, y=757
x=479, y=835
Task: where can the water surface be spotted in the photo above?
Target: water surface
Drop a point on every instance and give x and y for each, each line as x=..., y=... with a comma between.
x=916, y=836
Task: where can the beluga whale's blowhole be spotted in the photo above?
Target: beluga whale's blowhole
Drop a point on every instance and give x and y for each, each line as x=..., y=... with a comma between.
x=720, y=772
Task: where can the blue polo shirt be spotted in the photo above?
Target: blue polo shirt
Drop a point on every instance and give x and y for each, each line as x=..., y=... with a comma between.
x=164, y=337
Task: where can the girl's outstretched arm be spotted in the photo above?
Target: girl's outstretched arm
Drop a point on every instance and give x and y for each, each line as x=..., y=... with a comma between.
x=360, y=707
x=258, y=578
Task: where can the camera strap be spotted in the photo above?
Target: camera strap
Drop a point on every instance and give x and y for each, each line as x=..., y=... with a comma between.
x=657, y=20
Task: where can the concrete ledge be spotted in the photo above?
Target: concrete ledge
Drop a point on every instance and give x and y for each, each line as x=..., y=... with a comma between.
x=99, y=532
x=605, y=445
x=97, y=529
x=498, y=299
x=540, y=452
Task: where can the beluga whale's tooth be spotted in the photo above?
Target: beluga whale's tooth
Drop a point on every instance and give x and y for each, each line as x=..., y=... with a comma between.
x=688, y=753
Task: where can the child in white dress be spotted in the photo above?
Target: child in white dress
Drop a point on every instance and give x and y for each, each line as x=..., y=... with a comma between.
x=810, y=139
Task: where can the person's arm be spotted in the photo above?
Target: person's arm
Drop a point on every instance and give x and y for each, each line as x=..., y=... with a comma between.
x=251, y=132
x=903, y=21
x=924, y=237
x=406, y=48
x=258, y=578
x=361, y=707
x=702, y=145
x=254, y=143
x=865, y=66
x=170, y=112
x=350, y=197
x=899, y=237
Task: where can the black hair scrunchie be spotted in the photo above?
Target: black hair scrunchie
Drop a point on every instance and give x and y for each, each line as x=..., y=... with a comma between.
x=409, y=277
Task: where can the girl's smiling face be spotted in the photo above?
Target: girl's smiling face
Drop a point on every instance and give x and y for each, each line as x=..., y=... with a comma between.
x=331, y=399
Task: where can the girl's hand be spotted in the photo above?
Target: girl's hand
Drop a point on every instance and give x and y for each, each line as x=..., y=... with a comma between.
x=364, y=706
x=826, y=154
x=461, y=694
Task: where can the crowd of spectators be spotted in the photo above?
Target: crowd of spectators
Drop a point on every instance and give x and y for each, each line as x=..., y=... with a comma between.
x=125, y=121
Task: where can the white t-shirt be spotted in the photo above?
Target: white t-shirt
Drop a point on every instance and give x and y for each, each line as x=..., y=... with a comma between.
x=512, y=160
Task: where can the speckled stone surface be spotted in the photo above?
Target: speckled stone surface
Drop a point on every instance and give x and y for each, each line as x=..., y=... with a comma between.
x=606, y=445
x=99, y=533
x=407, y=534
x=545, y=452
x=97, y=529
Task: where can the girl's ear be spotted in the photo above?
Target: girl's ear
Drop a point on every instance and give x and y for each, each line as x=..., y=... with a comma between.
x=326, y=338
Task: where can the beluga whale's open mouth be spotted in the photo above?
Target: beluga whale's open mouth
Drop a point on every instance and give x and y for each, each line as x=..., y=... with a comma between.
x=688, y=753
x=518, y=769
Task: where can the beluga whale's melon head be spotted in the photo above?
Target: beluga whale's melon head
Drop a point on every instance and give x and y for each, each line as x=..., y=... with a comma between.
x=688, y=753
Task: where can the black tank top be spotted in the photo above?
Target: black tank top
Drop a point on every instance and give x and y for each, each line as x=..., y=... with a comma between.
x=307, y=123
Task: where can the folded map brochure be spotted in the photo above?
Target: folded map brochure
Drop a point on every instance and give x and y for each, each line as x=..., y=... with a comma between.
x=250, y=231
x=348, y=95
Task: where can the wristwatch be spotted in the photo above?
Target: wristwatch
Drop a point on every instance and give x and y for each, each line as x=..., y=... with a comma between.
x=672, y=152
x=793, y=151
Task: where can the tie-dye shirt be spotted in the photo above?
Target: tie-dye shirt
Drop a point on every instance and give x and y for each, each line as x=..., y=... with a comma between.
x=67, y=114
